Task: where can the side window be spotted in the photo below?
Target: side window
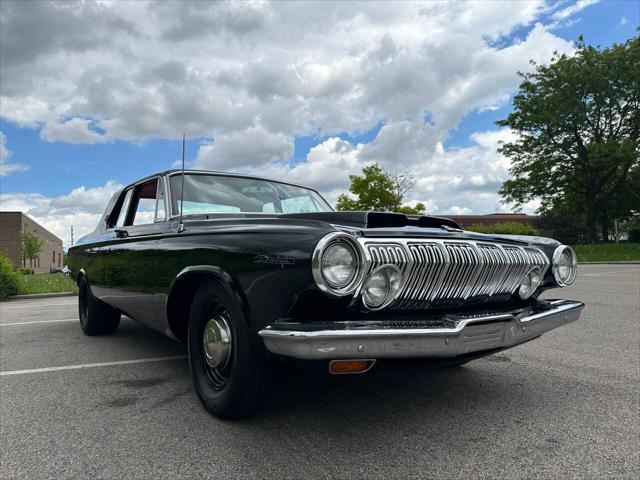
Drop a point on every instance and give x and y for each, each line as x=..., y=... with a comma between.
x=122, y=216
x=144, y=203
x=161, y=213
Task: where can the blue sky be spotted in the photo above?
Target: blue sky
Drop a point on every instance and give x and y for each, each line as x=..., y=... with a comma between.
x=290, y=128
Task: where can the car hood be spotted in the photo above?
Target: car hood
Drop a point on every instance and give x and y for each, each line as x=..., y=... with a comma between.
x=375, y=219
x=383, y=224
x=367, y=224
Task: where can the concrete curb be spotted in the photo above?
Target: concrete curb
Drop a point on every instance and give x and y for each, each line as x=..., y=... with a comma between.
x=624, y=262
x=41, y=295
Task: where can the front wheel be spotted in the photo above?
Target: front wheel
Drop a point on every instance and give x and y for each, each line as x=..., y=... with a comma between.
x=96, y=317
x=230, y=376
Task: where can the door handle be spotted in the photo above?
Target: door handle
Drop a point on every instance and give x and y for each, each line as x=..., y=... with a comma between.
x=121, y=233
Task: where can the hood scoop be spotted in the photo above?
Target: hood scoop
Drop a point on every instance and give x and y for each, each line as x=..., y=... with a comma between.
x=376, y=219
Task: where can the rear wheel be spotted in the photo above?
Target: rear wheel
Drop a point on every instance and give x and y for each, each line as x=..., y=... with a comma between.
x=230, y=376
x=96, y=317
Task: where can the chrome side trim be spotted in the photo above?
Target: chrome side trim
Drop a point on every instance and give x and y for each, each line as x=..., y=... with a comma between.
x=453, y=337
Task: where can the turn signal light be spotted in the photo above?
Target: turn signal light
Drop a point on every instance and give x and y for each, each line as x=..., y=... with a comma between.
x=340, y=367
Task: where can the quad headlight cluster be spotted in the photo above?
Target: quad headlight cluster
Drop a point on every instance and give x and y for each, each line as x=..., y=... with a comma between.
x=564, y=268
x=339, y=266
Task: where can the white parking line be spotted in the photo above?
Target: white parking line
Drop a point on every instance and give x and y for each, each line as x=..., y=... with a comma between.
x=37, y=305
x=89, y=365
x=38, y=321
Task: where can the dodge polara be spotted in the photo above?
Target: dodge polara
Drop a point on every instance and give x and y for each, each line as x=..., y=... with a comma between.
x=245, y=270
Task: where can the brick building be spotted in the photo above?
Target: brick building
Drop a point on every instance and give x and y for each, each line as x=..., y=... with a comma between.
x=51, y=255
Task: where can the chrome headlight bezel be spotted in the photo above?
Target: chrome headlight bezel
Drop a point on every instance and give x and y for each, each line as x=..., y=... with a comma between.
x=317, y=268
x=557, y=255
x=533, y=285
x=391, y=294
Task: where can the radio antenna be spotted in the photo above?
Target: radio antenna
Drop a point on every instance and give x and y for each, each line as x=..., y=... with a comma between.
x=181, y=224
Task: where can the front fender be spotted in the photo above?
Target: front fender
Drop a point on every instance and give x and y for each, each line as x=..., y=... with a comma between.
x=184, y=287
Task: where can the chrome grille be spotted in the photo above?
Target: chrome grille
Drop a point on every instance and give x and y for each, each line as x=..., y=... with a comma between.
x=447, y=273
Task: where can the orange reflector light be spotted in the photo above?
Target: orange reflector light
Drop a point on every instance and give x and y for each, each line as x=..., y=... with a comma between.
x=340, y=367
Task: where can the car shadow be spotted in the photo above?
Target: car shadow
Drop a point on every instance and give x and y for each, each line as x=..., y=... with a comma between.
x=445, y=404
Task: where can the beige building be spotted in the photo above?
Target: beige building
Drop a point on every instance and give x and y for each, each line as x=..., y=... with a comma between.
x=51, y=255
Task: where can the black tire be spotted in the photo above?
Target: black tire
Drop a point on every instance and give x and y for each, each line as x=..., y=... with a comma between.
x=242, y=385
x=96, y=317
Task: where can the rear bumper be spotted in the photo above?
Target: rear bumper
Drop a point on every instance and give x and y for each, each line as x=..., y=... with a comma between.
x=449, y=336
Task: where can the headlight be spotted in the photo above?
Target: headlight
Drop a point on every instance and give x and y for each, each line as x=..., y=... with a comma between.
x=529, y=283
x=337, y=264
x=381, y=287
x=565, y=265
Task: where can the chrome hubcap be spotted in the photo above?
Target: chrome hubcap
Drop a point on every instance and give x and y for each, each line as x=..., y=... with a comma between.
x=217, y=342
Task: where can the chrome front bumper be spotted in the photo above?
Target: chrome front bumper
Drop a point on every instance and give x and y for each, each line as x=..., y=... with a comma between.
x=449, y=336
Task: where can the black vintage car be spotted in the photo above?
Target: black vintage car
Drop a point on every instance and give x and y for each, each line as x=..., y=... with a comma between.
x=245, y=269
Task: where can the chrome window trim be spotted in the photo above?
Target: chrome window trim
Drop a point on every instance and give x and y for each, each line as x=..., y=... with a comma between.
x=316, y=264
x=161, y=183
x=126, y=205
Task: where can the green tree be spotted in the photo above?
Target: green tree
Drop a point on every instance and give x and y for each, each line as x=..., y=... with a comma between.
x=8, y=278
x=379, y=191
x=578, y=126
x=31, y=247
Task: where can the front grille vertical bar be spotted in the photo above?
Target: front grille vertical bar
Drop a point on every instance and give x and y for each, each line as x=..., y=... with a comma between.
x=439, y=273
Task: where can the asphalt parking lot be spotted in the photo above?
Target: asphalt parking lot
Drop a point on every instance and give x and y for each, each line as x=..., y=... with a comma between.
x=564, y=406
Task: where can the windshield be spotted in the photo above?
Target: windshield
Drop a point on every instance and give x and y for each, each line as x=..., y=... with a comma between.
x=217, y=193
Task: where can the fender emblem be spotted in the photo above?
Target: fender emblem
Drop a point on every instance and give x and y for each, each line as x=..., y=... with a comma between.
x=274, y=260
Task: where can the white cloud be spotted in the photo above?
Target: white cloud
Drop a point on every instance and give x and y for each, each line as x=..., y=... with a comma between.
x=5, y=154
x=80, y=208
x=254, y=146
x=252, y=76
x=90, y=200
x=623, y=21
x=573, y=9
x=74, y=130
x=464, y=178
x=215, y=69
x=456, y=210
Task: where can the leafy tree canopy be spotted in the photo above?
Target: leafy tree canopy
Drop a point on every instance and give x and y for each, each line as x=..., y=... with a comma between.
x=379, y=190
x=31, y=245
x=578, y=126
